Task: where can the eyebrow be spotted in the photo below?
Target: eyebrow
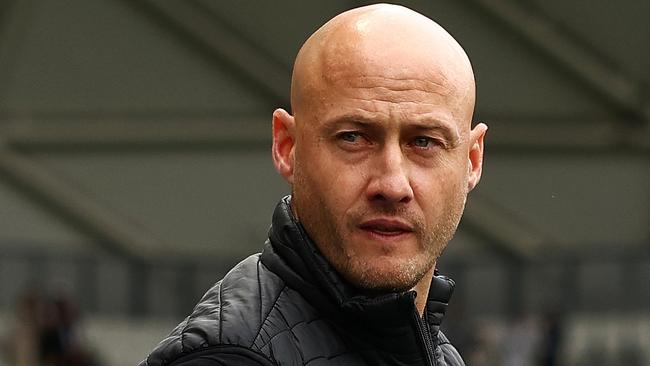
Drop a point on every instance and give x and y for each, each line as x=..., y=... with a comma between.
x=352, y=119
x=421, y=124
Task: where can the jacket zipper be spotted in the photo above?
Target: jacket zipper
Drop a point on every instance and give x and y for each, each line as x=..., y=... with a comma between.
x=425, y=338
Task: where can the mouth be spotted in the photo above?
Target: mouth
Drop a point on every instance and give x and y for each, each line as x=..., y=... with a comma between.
x=386, y=228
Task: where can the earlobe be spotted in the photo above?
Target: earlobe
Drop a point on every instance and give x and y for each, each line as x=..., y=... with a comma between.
x=476, y=140
x=283, y=143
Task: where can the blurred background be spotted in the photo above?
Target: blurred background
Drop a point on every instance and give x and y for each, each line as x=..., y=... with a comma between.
x=135, y=170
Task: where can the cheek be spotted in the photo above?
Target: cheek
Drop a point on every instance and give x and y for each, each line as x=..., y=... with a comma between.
x=336, y=184
x=342, y=186
x=456, y=172
x=436, y=188
x=326, y=194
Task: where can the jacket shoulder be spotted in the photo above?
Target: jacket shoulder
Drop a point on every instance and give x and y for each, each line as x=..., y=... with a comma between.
x=231, y=313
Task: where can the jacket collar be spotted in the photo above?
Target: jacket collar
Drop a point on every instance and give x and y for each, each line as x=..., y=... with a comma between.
x=292, y=255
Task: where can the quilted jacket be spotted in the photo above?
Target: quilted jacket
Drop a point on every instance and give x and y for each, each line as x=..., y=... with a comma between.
x=287, y=306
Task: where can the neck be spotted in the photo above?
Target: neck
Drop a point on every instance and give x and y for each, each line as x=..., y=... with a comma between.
x=422, y=289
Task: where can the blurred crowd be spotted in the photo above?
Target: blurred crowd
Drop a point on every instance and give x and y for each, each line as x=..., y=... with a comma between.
x=525, y=341
x=540, y=340
x=45, y=332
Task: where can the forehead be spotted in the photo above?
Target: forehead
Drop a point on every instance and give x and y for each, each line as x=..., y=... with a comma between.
x=373, y=89
x=358, y=62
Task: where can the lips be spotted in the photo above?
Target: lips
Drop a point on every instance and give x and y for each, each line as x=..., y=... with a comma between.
x=386, y=227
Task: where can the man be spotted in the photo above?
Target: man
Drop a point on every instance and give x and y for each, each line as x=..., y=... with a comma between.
x=380, y=157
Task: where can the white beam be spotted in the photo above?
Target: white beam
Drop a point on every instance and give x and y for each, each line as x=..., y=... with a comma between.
x=620, y=89
x=124, y=132
x=77, y=208
x=202, y=27
x=503, y=230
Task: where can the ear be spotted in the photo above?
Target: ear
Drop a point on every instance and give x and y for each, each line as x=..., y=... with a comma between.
x=283, y=143
x=475, y=167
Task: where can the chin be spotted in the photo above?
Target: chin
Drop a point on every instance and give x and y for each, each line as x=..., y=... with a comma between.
x=386, y=275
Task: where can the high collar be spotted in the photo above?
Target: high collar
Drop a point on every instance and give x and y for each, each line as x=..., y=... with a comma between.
x=293, y=256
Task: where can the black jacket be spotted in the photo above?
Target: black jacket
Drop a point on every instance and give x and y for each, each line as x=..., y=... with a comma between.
x=288, y=306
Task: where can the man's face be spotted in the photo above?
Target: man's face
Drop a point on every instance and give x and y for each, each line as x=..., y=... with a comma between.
x=381, y=174
x=379, y=152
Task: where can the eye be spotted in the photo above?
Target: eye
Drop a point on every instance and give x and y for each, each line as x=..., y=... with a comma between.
x=349, y=136
x=424, y=142
x=352, y=141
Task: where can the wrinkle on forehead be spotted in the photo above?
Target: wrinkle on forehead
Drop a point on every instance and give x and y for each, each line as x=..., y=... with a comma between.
x=384, y=47
x=391, y=83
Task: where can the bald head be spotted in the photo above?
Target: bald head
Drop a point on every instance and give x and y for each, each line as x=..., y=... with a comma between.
x=382, y=41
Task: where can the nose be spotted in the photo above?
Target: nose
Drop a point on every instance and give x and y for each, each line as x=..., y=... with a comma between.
x=389, y=179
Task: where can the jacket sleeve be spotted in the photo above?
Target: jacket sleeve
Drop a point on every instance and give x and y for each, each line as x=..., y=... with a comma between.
x=450, y=355
x=224, y=356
